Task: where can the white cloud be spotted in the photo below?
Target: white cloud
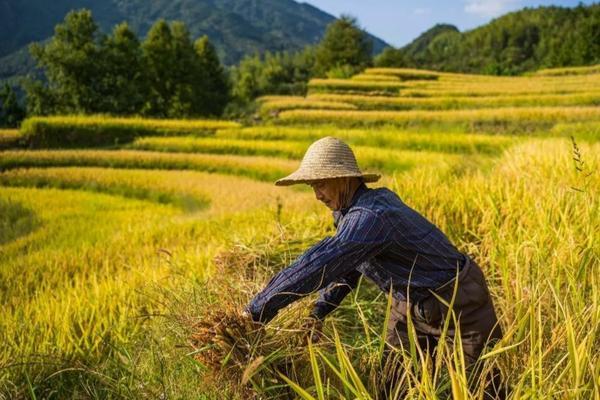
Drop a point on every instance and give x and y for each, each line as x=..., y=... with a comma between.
x=422, y=11
x=488, y=8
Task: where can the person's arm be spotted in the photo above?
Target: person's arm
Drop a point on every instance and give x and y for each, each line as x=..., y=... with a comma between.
x=331, y=296
x=361, y=235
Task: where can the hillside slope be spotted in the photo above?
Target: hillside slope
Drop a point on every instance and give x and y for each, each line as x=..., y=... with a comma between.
x=520, y=41
x=236, y=27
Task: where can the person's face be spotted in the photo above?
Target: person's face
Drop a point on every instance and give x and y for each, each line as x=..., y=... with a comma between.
x=327, y=192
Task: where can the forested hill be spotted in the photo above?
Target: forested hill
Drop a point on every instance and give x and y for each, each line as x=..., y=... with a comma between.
x=520, y=41
x=236, y=27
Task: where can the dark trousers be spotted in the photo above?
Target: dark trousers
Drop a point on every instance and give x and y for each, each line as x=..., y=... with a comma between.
x=476, y=318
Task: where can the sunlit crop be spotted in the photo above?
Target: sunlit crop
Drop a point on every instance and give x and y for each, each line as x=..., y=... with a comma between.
x=124, y=270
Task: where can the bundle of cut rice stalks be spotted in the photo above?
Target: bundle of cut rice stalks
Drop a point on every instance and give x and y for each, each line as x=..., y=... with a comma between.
x=232, y=347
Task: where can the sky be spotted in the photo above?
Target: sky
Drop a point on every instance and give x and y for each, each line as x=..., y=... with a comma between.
x=398, y=22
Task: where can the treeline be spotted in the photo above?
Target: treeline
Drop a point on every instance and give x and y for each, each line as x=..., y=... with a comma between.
x=11, y=112
x=344, y=50
x=526, y=40
x=168, y=75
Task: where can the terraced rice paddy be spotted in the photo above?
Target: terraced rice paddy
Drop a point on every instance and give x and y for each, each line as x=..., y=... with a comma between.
x=541, y=115
x=9, y=137
x=123, y=267
x=450, y=102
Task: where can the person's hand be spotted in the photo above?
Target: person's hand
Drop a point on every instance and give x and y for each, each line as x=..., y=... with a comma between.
x=249, y=321
x=313, y=329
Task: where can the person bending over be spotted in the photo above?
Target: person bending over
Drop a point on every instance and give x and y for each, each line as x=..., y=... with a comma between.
x=380, y=237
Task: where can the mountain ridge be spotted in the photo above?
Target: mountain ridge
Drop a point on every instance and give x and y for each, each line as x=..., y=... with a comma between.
x=236, y=27
x=516, y=42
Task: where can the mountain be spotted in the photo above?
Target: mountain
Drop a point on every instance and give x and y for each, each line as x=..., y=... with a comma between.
x=422, y=42
x=514, y=43
x=235, y=27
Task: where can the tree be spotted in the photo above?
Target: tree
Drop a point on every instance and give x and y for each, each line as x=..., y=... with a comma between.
x=11, y=113
x=166, y=76
x=123, y=88
x=40, y=99
x=185, y=79
x=391, y=57
x=275, y=73
x=247, y=76
x=520, y=41
x=70, y=60
x=215, y=87
x=344, y=44
x=159, y=60
x=186, y=95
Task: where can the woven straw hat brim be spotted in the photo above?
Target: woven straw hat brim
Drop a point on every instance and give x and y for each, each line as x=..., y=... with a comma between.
x=299, y=177
x=326, y=158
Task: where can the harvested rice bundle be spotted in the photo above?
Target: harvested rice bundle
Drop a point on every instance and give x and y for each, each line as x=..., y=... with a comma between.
x=231, y=345
x=235, y=349
x=224, y=338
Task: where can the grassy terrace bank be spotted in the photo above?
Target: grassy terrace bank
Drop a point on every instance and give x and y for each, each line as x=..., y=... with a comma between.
x=525, y=116
x=130, y=184
x=261, y=168
x=257, y=167
x=446, y=103
x=102, y=130
x=293, y=142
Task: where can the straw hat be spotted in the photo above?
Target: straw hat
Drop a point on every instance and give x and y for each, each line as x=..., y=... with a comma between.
x=326, y=158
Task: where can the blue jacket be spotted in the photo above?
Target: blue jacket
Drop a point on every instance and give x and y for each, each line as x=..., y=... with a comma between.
x=379, y=236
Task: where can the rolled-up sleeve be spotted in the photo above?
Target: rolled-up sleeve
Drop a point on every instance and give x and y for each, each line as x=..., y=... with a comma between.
x=361, y=235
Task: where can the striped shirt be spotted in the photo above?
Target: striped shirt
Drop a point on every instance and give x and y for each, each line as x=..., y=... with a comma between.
x=378, y=236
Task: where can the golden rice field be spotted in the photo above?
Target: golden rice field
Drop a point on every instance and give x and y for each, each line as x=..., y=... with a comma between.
x=176, y=126
x=443, y=103
x=129, y=247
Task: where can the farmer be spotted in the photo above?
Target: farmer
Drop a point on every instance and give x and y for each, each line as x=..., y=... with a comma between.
x=382, y=238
